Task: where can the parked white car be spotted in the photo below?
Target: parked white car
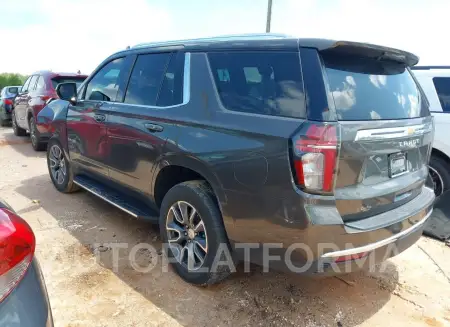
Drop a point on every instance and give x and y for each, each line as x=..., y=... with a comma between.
x=435, y=81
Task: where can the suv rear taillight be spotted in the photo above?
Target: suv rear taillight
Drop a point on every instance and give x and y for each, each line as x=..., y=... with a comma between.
x=17, y=244
x=315, y=150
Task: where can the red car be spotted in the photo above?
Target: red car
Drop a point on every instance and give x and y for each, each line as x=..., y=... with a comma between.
x=35, y=93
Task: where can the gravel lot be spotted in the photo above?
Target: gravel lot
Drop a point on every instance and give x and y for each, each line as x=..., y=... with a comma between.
x=86, y=291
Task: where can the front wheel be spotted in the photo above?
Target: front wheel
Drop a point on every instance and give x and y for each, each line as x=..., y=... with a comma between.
x=16, y=129
x=59, y=168
x=36, y=142
x=193, y=234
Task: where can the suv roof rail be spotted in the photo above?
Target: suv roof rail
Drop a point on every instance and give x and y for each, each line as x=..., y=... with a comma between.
x=429, y=67
x=230, y=37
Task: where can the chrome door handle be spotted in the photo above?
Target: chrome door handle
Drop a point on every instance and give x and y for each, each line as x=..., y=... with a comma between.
x=154, y=128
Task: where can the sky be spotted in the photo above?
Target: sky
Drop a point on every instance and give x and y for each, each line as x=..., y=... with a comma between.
x=72, y=35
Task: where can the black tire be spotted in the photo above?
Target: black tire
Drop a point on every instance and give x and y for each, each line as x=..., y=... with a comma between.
x=3, y=123
x=66, y=185
x=36, y=142
x=201, y=197
x=440, y=174
x=17, y=130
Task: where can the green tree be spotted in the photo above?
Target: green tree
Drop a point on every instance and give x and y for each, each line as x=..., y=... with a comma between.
x=7, y=79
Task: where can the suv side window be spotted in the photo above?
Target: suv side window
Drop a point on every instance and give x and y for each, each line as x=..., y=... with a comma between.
x=265, y=83
x=442, y=85
x=146, y=78
x=105, y=83
x=171, y=92
x=32, y=85
x=25, y=85
x=40, y=86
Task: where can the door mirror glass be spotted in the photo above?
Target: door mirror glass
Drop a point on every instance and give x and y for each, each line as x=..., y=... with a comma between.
x=67, y=91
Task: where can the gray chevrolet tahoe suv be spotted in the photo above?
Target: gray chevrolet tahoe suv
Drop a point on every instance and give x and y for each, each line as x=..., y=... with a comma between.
x=287, y=152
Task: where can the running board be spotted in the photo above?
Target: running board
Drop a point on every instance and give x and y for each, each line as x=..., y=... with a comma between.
x=122, y=201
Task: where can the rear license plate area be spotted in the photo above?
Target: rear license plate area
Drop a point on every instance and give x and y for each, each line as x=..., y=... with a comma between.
x=398, y=164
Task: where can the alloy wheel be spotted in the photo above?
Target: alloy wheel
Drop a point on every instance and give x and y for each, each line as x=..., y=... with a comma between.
x=186, y=235
x=58, y=165
x=437, y=181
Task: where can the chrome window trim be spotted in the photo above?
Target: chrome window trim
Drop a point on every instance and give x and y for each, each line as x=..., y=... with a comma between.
x=186, y=88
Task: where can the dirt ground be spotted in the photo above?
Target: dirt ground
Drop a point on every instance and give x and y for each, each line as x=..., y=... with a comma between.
x=85, y=290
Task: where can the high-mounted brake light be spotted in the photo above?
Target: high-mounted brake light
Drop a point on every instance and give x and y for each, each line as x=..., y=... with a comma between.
x=17, y=245
x=315, y=155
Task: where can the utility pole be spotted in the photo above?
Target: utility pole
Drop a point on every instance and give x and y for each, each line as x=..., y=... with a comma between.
x=269, y=15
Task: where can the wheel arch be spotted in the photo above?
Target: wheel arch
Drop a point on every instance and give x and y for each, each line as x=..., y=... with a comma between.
x=192, y=164
x=441, y=154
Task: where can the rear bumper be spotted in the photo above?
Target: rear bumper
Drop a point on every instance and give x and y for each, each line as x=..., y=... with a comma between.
x=325, y=244
x=27, y=305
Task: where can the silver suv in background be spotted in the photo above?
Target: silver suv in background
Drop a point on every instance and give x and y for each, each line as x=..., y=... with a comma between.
x=7, y=96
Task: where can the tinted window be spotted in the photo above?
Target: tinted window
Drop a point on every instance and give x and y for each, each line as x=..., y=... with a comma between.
x=77, y=80
x=26, y=84
x=105, y=84
x=146, y=79
x=365, y=89
x=32, y=85
x=268, y=83
x=13, y=90
x=442, y=85
x=171, y=92
x=40, y=83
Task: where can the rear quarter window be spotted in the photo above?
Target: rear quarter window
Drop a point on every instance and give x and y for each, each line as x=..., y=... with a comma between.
x=366, y=89
x=13, y=90
x=267, y=83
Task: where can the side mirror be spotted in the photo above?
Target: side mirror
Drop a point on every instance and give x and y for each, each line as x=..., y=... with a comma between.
x=67, y=91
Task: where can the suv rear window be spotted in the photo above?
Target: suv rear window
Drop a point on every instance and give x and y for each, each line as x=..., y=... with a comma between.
x=61, y=79
x=267, y=83
x=13, y=90
x=366, y=89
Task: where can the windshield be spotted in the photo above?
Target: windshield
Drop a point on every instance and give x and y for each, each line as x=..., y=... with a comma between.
x=366, y=89
x=59, y=80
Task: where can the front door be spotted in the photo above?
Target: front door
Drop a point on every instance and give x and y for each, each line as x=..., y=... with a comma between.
x=86, y=121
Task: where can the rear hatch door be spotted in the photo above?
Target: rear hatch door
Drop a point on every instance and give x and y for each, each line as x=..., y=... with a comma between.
x=386, y=132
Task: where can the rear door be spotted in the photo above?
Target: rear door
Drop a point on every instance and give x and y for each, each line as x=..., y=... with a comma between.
x=138, y=128
x=385, y=130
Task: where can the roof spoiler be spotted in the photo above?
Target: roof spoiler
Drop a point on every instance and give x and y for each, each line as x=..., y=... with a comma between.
x=372, y=51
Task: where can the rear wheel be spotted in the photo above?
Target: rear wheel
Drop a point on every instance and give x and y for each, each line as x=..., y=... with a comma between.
x=192, y=229
x=17, y=130
x=440, y=174
x=59, y=168
x=36, y=142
